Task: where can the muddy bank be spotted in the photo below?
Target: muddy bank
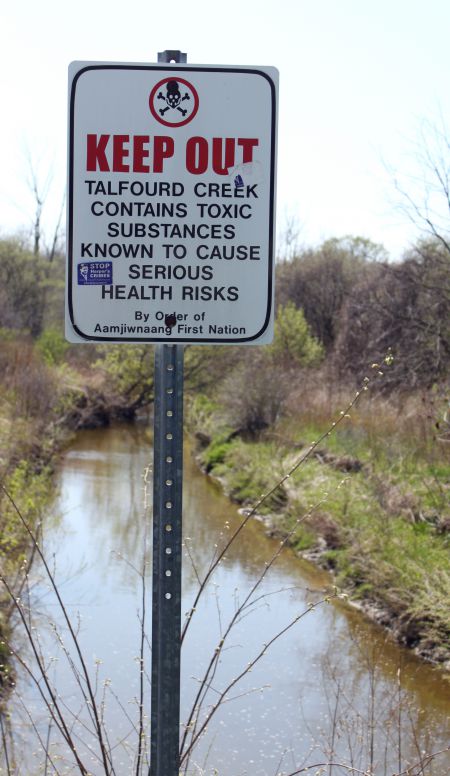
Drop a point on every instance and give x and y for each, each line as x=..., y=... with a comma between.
x=327, y=544
x=31, y=443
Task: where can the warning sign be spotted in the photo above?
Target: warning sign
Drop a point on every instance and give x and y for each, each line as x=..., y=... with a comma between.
x=171, y=203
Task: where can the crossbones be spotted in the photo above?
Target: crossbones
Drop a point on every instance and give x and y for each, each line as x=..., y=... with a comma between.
x=173, y=98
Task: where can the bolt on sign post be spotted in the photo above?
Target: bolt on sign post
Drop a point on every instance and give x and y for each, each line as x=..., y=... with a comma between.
x=170, y=224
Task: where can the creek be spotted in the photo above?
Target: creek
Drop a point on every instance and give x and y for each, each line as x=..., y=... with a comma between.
x=332, y=687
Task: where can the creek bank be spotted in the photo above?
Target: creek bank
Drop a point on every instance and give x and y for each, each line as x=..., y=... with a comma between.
x=335, y=539
x=92, y=408
x=36, y=425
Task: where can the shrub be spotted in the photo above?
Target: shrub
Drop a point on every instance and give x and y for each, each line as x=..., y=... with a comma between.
x=22, y=300
x=52, y=345
x=254, y=394
x=293, y=343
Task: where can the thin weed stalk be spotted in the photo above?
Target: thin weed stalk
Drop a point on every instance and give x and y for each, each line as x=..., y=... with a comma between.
x=52, y=704
x=191, y=726
x=5, y=746
x=417, y=769
x=45, y=746
x=343, y=415
x=143, y=638
x=141, y=733
x=244, y=672
x=107, y=764
x=209, y=674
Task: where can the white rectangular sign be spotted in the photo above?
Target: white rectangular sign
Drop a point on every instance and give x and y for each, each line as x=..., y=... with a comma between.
x=171, y=203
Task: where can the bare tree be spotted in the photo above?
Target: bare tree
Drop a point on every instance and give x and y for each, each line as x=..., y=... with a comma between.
x=289, y=237
x=39, y=186
x=424, y=193
x=39, y=189
x=51, y=251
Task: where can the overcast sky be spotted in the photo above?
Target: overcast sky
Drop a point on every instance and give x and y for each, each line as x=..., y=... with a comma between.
x=358, y=79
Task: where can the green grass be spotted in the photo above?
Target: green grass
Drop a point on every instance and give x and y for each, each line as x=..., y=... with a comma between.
x=385, y=527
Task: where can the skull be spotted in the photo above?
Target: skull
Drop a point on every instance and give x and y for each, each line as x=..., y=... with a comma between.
x=173, y=97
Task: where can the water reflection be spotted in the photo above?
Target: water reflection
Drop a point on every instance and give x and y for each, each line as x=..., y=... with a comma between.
x=332, y=665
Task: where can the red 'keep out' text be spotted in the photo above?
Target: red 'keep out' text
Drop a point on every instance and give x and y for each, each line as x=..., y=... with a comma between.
x=132, y=153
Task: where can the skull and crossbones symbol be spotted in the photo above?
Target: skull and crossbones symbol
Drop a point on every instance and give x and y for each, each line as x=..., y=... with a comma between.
x=173, y=98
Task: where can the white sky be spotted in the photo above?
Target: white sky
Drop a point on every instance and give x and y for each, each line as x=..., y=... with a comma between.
x=357, y=79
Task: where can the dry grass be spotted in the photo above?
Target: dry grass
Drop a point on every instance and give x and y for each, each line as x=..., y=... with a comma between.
x=418, y=421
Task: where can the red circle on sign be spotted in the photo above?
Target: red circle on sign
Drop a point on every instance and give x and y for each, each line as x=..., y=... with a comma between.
x=175, y=99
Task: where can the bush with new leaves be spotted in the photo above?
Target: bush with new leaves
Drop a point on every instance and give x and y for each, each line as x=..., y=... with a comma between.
x=255, y=392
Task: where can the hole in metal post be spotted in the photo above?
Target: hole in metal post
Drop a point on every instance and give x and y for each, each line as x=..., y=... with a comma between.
x=169, y=483
x=169, y=459
x=169, y=436
x=168, y=596
x=169, y=413
x=168, y=550
x=168, y=573
x=169, y=505
x=169, y=391
x=170, y=367
x=168, y=528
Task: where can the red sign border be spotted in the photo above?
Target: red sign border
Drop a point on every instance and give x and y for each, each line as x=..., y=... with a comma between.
x=179, y=123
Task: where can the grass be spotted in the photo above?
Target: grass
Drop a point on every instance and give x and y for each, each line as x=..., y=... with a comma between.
x=32, y=397
x=381, y=483
x=247, y=470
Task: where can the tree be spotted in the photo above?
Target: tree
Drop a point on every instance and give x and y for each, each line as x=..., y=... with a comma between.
x=21, y=294
x=128, y=371
x=39, y=187
x=404, y=307
x=289, y=238
x=425, y=193
x=319, y=281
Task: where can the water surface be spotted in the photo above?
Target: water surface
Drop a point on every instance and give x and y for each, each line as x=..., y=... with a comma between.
x=333, y=687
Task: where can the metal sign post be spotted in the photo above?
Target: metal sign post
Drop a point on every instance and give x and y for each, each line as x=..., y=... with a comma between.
x=167, y=509
x=167, y=538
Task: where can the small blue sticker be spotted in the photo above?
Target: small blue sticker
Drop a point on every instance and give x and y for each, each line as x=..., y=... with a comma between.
x=95, y=273
x=238, y=181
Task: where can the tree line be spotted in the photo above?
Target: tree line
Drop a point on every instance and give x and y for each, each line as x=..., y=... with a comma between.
x=342, y=302
x=359, y=306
